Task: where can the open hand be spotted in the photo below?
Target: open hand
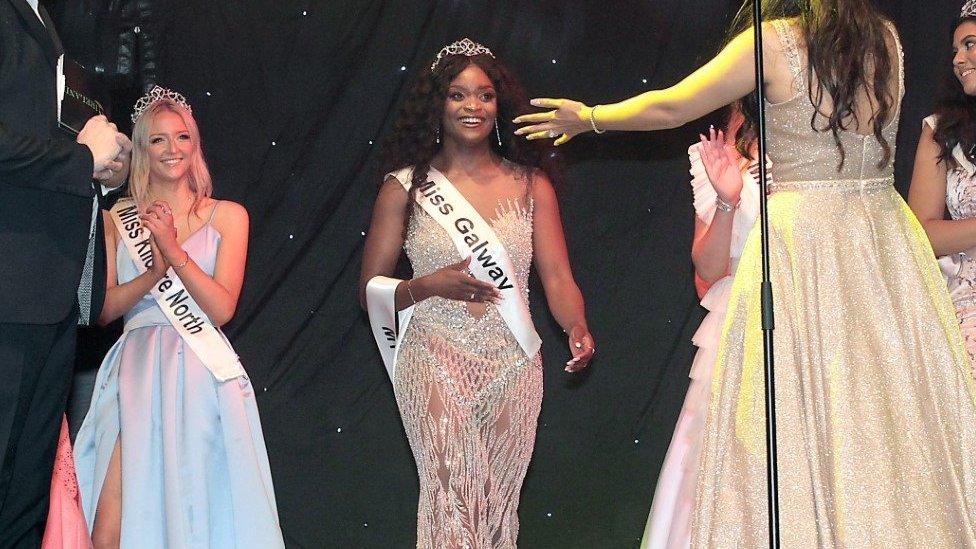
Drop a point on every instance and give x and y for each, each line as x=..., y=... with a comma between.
x=721, y=166
x=569, y=119
x=454, y=282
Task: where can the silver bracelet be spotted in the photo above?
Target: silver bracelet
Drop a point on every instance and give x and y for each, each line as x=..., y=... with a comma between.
x=409, y=293
x=186, y=260
x=724, y=206
x=593, y=120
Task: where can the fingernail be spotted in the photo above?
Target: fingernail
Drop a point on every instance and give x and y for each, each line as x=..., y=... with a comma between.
x=534, y=102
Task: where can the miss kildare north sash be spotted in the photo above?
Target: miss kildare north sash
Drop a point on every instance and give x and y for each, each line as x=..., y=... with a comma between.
x=204, y=339
x=472, y=236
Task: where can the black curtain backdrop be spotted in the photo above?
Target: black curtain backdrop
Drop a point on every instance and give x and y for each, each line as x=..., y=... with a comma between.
x=293, y=99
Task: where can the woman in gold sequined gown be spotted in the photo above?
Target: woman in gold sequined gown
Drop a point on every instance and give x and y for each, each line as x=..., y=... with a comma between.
x=468, y=394
x=875, y=405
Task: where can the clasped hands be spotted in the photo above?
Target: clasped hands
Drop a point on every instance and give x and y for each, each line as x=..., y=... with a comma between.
x=158, y=220
x=110, y=149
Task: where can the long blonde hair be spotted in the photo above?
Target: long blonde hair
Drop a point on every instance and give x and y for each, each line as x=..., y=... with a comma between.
x=198, y=174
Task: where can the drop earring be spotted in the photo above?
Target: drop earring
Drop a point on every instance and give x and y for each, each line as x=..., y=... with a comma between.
x=498, y=133
x=438, y=138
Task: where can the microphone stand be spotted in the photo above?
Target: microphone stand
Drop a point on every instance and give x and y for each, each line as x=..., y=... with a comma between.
x=772, y=482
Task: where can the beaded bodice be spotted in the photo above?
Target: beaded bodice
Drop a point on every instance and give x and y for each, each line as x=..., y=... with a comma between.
x=802, y=154
x=429, y=248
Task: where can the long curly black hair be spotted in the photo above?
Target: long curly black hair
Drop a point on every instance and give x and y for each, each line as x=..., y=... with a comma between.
x=414, y=138
x=846, y=51
x=956, y=114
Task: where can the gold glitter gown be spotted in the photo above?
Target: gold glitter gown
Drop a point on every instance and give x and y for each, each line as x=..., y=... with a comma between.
x=469, y=397
x=875, y=405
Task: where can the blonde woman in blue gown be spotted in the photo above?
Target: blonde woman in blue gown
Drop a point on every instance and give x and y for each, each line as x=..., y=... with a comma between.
x=170, y=456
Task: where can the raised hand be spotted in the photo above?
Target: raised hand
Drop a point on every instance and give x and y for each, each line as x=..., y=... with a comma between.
x=569, y=119
x=721, y=166
x=454, y=282
x=105, y=143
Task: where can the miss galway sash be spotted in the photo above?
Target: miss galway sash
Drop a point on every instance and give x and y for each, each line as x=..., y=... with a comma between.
x=472, y=236
x=177, y=304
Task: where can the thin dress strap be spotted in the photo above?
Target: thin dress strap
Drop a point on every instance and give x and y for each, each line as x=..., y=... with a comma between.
x=213, y=211
x=788, y=38
x=901, y=60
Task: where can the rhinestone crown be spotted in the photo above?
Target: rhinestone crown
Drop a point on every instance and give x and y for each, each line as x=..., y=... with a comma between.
x=968, y=9
x=159, y=94
x=466, y=47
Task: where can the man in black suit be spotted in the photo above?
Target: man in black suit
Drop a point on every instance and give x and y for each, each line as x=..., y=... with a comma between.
x=47, y=188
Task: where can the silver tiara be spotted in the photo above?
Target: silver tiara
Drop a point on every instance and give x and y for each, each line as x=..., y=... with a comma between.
x=160, y=94
x=466, y=47
x=968, y=9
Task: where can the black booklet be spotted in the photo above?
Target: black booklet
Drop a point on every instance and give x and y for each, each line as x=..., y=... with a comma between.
x=84, y=97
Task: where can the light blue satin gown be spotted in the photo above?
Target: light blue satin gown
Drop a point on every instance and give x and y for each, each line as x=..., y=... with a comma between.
x=195, y=470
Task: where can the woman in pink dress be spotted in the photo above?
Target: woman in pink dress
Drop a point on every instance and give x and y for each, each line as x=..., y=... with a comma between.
x=66, y=527
x=945, y=178
x=726, y=198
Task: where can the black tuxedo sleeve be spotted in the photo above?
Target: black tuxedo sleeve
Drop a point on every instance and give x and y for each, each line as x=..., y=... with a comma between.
x=56, y=165
x=107, y=199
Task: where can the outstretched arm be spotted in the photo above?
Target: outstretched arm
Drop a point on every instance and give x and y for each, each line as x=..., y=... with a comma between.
x=729, y=76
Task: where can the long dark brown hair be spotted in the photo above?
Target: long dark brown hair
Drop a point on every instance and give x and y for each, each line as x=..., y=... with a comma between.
x=844, y=40
x=956, y=113
x=414, y=138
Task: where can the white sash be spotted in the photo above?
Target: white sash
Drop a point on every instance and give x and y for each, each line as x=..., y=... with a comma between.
x=388, y=325
x=203, y=338
x=472, y=236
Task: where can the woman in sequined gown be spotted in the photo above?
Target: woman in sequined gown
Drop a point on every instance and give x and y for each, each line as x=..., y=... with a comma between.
x=945, y=179
x=469, y=396
x=874, y=399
